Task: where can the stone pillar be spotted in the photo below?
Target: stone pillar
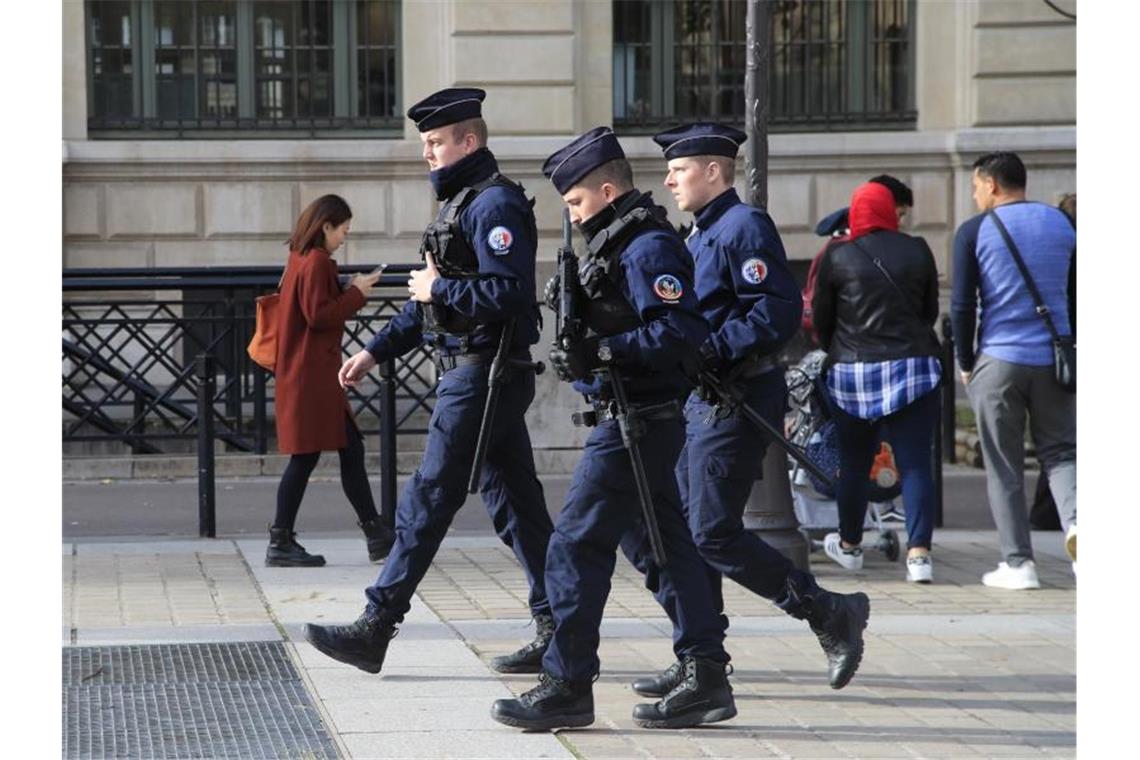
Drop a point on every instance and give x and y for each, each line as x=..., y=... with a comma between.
x=74, y=71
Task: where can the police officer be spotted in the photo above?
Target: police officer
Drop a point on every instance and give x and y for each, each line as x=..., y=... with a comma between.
x=479, y=257
x=639, y=306
x=753, y=306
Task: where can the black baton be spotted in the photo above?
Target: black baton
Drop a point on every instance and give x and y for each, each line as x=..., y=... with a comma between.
x=494, y=383
x=631, y=430
x=729, y=394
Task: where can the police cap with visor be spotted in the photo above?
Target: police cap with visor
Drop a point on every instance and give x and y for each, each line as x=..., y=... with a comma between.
x=704, y=138
x=448, y=106
x=566, y=167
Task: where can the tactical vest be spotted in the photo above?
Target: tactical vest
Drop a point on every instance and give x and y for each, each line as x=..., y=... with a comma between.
x=453, y=255
x=606, y=309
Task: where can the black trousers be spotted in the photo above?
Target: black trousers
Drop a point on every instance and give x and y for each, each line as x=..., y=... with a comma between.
x=353, y=479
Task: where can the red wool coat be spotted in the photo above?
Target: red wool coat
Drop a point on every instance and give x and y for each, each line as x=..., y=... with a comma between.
x=310, y=404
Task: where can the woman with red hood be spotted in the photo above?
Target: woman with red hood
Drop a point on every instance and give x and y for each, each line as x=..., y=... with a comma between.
x=876, y=301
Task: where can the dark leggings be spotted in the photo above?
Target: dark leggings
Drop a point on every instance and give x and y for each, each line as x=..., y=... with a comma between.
x=353, y=479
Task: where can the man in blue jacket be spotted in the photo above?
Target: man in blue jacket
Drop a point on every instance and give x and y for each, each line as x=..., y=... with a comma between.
x=753, y=306
x=479, y=274
x=643, y=322
x=1010, y=374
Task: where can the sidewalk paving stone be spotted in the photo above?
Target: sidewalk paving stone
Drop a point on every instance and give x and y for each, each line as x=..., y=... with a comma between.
x=951, y=670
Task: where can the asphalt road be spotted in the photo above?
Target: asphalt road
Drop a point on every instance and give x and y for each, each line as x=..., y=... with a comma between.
x=244, y=506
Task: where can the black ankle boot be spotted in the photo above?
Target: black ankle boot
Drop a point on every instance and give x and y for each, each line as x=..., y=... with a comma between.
x=551, y=704
x=362, y=644
x=284, y=551
x=528, y=659
x=380, y=538
x=703, y=696
x=837, y=620
x=661, y=684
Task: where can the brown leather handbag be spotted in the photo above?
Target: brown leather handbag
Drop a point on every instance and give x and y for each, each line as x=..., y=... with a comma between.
x=262, y=346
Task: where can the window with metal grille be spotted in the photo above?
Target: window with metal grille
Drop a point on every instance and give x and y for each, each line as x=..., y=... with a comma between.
x=834, y=65
x=243, y=68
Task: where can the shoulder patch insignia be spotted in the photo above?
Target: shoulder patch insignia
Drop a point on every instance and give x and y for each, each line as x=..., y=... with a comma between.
x=500, y=239
x=668, y=288
x=754, y=271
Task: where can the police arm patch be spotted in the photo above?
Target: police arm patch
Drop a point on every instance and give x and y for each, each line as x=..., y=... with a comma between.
x=499, y=240
x=668, y=288
x=754, y=271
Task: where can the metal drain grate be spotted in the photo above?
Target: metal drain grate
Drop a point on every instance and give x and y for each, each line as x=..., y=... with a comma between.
x=240, y=700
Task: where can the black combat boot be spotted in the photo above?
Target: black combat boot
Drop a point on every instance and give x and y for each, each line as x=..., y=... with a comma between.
x=362, y=644
x=284, y=551
x=380, y=538
x=552, y=704
x=837, y=620
x=659, y=685
x=703, y=696
x=529, y=658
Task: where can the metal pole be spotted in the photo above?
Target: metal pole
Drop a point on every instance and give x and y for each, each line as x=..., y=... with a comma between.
x=949, y=388
x=757, y=68
x=260, y=433
x=206, y=389
x=769, y=510
x=388, y=443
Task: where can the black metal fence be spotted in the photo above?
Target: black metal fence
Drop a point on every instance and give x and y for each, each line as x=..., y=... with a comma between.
x=154, y=361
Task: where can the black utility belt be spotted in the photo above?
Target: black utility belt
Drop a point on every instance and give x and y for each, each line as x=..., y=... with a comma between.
x=754, y=367
x=604, y=411
x=449, y=361
x=446, y=362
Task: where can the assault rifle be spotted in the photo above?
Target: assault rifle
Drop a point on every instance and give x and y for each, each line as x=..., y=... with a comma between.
x=569, y=328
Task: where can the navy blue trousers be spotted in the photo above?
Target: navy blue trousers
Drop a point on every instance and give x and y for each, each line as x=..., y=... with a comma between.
x=602, y=512
x=509, y=487
x=715, y=472
x=910, y=431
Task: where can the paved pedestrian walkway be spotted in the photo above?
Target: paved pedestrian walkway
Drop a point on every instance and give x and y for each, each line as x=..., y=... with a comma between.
x=951, y=670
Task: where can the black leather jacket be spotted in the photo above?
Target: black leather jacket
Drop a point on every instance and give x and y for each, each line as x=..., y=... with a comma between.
x=860, y=316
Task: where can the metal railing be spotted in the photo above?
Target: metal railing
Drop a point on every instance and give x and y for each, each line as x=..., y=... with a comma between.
x=154, y=361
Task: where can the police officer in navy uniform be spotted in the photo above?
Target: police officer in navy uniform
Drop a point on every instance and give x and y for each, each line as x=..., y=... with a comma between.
x=643, y=320
x=753, y=306
x=479, y=257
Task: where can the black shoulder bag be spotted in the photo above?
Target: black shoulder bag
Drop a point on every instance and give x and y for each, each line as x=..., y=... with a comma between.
x=1064, y=347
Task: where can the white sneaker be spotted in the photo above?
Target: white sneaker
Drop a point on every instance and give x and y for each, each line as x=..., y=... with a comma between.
x=1013, y=578
x=920, y=569
x=1071, y=542
x=850, y=559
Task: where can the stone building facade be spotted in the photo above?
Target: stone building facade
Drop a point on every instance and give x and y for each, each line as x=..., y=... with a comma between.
x=987, y=75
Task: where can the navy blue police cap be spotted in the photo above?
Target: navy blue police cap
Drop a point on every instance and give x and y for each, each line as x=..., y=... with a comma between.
x=834, y=222
x=702, y=138
x=587, y=152
x=448, y=106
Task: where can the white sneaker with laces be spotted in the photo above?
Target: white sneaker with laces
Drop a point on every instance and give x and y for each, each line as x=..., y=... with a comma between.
x=849, y=559
x=1013, y=578
x=920, y=569
x=1071, y=542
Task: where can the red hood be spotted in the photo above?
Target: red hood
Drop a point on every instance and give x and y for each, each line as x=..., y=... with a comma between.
x=872, y=208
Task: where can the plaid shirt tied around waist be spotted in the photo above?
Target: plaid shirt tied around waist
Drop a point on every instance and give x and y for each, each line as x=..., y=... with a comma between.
x=870, y=390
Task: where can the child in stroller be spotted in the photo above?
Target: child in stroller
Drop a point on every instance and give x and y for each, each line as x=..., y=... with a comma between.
x=809, y=427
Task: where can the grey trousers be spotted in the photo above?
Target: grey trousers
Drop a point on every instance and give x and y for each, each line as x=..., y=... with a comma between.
x=1002, y=394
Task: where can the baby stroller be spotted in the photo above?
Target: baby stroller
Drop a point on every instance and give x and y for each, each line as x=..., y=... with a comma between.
x=810, y=428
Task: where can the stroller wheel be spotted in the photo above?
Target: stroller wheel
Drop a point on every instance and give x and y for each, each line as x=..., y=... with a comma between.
x=891, y=545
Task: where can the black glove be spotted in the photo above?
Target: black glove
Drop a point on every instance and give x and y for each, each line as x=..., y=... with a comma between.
x=709, y=359
x=576, y=362
x=550, y=294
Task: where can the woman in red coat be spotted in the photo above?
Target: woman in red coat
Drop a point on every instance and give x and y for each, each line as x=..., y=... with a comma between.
x=313, y=414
